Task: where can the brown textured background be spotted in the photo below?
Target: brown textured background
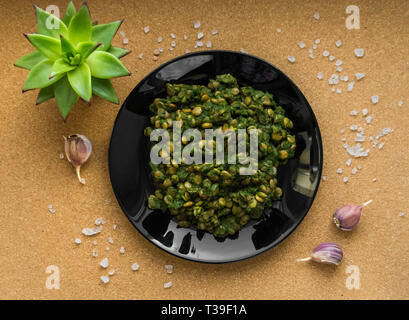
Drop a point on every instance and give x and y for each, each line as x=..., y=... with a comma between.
x=32, y=176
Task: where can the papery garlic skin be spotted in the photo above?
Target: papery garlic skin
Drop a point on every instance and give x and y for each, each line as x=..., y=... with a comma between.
x=327, y=253
x=348, y=216
x=78, y=149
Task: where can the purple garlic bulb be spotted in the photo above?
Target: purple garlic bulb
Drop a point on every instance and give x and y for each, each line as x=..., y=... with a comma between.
x=348, y=216
x=326, y=252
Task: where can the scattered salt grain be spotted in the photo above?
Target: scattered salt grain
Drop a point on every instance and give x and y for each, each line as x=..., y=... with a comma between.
x=187, y=51
x=156, y=52
x=61, y=156
x=160, y=39
x=199, y=44
x=51, y=209
x=122, y=250
x=368, y=119
x=365, y=112
x=94, y=242
x=214, y=32
x=400, y=103
x=146, y=29
x=105, y=279
x=185, y=37
x=359, y=167
x=114, y=226
x=339, y=170
x=291, y=59
x=107, y=248
x=301, y=44
x=99, y=221
x=324, y=178
x=311, y=56
x=122, y=34
x=167, y=285
x=339, y=69
x=401, y=214
x=320, y=76
x=350, y=86
x=314, y=46
x=94, y=253
x=374, y=180
x=331, y=58
x=359, y=75
x=278, y=30
x=348, y=162
x=354, y=170
x=333, y=89
x=200, y=35
x=160, y=49
x=357, y=151
x=110, y=240
x=325, y=53
x=173, y=44
x=173, y=36
x=338, y=43
x=135, y=267
x=169, y=268
x=339, y=90
x=342, y=130
x=243, y=50
x=78, y=241
x=310, y=51
x=317, y=41
x=375, y=99
x=125, y=41
x=140, y=56
x=316, y=15
x=338, y=63
x=111, y=272
x=196, y=24
x=359, y=52
x=91, y=231
x=345, y=179
x=381, y=145
x=353, y=127
x=344, y=78
x=208, y=44
x=104, y=263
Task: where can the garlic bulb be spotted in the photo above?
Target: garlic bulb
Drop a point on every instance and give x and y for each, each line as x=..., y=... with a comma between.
x=78, y=148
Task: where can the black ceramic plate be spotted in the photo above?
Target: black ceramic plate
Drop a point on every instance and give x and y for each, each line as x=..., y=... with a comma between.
x=130, y=172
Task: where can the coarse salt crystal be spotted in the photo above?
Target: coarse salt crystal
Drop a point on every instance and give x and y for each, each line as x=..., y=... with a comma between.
x=105, y=279
x=338, y=63
x=107, y=248
x=368, y=119
x=160, y=39
x=365, y=112
x=375, y=99
x=324, y=178
x=339, y=170
x=104, y=263
x=359, y=75
x=173, y=36
x=359, y=52
x=169, y=268
x=91, y=231
x=146, y=29
x=278, y=30
x=122, y=34
x=196, y=24
x=346, y=179
x=320, y=76
x=316, y=15
x=114, y=226
x=199, y=44
x=353, y=127
x=111, y=272
x=208, y=44
x=94, y=253
x=173, y=43
x=325, y=53
x=122, y=250
x=110, y=240
x=311, y=56
x=214, y=32
x=314, y=46
x=200, y=35
x=135, y=266
x=354, y=170
x=400, y=103
x=331, y=58
x=317, y=41
x=125, y=41
x=339, y=69
x=185, y=37
x=291, y=59
x=61, y=156
x=140, y=56
x=167, y=285
x=301, y=44
x=99, y=221
x=348, y=162
x=381, y=145
x=339, y=90
x=338, y=43
x=78, y=241
x=374, y=180
x=350, y=86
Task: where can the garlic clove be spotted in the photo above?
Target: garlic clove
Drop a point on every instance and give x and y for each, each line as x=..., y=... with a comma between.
x=348, y=216
x=78, y=148
x=327, y=253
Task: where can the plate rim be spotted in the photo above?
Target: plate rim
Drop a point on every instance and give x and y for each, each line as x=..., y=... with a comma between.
x=265, y=249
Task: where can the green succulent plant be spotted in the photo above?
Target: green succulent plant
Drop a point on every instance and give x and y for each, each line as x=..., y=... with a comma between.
x=74, y=60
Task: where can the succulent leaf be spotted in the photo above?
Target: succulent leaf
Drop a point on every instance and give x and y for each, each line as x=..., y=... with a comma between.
x=50, y=25
x=39, y=76
x=30, y=60
x=67, y=47
x=86, y=48
x=104, y=65
x=104, y=89
x=80, y=80
x=80, y=27
x=48, y=46
x=60, y=67
x=69, y=13
x=65, y=96
x=118, y=52
x=45, y=94
x=104, y=33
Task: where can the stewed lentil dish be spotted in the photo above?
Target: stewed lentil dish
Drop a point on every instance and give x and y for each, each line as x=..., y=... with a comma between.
x=212, y=196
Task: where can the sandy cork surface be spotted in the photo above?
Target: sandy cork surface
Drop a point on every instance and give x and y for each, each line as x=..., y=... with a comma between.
x=33, y=176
